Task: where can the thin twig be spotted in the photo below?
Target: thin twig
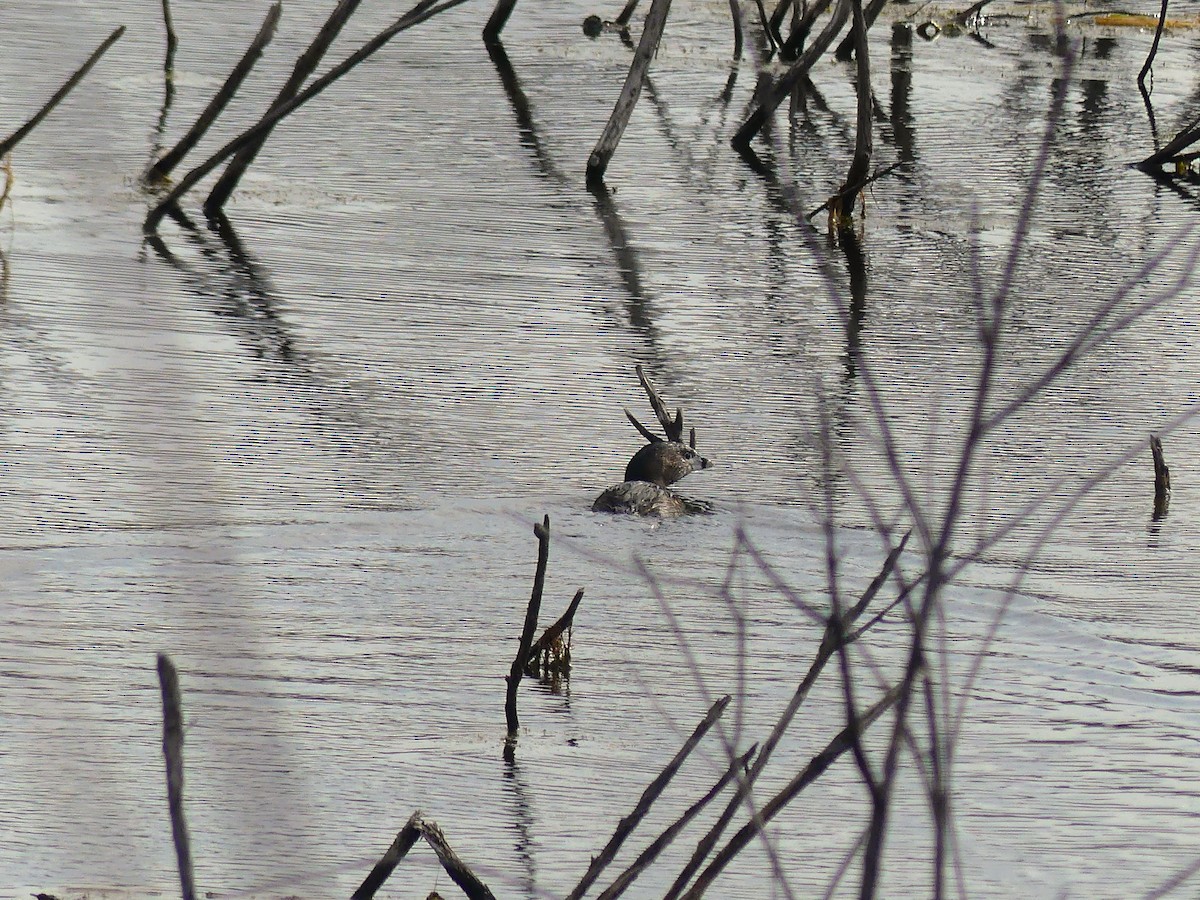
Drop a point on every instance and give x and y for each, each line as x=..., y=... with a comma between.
x=647, y=856
x=172, y=745
x=810, y=773
x=656, y=21
x=552, y=634
x=17, y=136
x=1146, y=66
x=626, y=826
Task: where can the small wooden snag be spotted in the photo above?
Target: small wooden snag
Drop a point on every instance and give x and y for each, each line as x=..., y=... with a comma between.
x=1162, y=478
x=542, y=531
x=172, y=743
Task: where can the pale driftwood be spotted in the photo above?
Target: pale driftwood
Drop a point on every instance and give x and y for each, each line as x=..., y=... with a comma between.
x=660, y=843
x=172, y=745
x=656, y=21
x=172, y=158
x=626, y=826
x=304, y=67
x=17, y=136
x=542, y=531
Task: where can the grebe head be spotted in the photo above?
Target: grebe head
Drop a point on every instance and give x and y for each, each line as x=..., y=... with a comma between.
x=664, y=463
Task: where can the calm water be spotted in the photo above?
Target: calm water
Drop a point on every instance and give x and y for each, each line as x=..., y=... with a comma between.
x=303, y=457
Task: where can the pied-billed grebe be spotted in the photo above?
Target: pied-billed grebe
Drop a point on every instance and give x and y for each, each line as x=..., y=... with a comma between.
x=655, y=467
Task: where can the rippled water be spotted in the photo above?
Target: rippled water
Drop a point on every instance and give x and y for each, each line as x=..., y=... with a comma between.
x=303, y=454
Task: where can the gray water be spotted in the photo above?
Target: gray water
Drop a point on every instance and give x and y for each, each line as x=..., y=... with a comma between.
x=304, y=458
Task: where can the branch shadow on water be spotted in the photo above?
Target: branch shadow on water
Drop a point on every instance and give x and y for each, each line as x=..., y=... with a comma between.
x=240, y=281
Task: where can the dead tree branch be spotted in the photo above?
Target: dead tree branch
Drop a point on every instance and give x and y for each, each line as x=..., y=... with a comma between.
x=418, y=826
x=542, y=531
x=626, y=826
x=656, y=21
x=172, y=744
x=17, y=136
x=172, y=158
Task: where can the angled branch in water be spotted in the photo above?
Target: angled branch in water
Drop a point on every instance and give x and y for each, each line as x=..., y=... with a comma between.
x=626, y=826
x=542, y=531
x=1176, y=146
x=418, y=826
x=782, y=88
x=846, y=49
x=802, y=23
x=304, y=67
x=543, y=645
x=172, y=158
x=656, y=21
x=172, y=745
x=1146, y=66
x=16, y=137
x=418, y=14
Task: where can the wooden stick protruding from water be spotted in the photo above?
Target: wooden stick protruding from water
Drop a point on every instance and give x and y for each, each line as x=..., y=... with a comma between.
x=17, y=136
x=171, y=159
x=172, y=38
x=656, y=21
x=539, y=656
x=304, y=67
x=418, y=826
x=1162, y=478
x=542, y=531
x=172, y=744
